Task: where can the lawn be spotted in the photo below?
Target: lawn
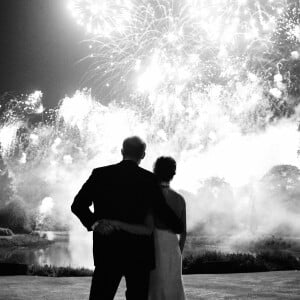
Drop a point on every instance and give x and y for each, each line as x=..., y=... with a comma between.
x=267, y=285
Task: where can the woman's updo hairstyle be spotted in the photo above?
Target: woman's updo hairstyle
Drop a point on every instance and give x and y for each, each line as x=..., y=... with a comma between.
x=165, y=168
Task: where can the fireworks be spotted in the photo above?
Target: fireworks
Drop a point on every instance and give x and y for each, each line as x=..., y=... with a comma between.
x=8, y=137
x=102, y=17
x=34, y=102
x=183, y=67
x=145, y=46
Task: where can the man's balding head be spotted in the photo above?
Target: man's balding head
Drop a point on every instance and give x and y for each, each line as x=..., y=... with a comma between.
x=134, y=148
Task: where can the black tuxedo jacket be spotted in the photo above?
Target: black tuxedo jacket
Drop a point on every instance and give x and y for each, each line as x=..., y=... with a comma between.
x=127, y=193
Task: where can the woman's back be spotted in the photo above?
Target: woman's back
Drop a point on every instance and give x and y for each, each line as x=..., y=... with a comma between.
x=175, y=202
x=166, y=279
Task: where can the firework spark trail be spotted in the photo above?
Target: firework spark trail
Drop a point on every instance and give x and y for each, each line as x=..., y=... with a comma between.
x=177, y=32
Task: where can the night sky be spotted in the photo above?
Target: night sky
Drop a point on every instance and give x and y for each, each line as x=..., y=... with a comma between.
x=41, y=45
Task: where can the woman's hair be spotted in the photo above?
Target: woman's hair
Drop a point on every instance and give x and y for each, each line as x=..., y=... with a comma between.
x=165, y=168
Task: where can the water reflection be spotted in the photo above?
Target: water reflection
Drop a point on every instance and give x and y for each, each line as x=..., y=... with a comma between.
x=75, y=249
x=66, y=250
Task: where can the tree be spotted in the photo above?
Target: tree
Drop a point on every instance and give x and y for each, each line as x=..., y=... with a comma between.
x=6, y=186
x=282, y=183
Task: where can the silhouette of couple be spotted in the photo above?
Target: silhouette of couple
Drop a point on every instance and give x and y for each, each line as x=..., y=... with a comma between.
x=135, y=223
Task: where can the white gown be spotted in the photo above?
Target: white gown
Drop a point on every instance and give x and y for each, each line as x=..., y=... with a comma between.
x=166, y=279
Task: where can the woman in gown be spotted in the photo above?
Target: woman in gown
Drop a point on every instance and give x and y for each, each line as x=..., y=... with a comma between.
x=166, y=279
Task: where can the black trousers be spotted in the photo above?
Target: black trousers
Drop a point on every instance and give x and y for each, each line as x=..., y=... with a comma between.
x=106, y=280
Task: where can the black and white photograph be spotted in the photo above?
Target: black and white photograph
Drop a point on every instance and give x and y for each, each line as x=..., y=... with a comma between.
x=149, y=149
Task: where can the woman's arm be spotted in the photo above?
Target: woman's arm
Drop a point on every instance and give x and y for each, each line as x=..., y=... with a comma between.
x=182, y=237
x=182, y=240
x=139, y=229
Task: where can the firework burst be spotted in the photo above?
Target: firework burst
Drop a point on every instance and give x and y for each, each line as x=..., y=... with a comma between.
x=102, y=17
x=141, y=45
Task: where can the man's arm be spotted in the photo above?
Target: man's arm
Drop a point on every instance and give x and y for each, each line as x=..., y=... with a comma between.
x=138, y=229
x=82, y=202
x=165, y=212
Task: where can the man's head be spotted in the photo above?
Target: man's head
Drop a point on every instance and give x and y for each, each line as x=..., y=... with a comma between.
x=134, y=149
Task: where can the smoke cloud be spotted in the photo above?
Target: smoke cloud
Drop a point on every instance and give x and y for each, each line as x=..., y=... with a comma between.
x=221, y=152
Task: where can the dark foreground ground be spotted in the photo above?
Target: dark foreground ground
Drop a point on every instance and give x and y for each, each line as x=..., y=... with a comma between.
x=269, y=285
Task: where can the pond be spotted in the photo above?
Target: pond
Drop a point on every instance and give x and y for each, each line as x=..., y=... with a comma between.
x=66, y=250
x=75, y=249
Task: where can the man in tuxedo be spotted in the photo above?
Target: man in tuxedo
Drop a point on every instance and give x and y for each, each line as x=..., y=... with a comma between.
x=127, y=193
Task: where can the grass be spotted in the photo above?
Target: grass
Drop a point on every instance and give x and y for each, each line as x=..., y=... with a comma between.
x=271, y=285
x=52, y=271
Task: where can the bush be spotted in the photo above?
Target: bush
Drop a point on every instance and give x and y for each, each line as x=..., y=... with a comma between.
x=14, y=216
x=217, y=262
x=52, y=271
x=6, y=232
x=13, y=269
x=279, y=260
x=207, y=263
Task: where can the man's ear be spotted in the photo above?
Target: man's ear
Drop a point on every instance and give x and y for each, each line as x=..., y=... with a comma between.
x=122, y=152
x=143, y=156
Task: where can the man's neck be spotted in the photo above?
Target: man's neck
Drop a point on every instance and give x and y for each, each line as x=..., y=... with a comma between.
x=131, y=159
